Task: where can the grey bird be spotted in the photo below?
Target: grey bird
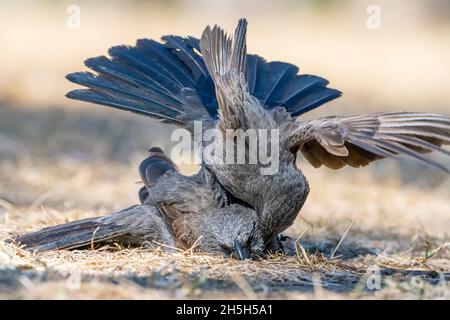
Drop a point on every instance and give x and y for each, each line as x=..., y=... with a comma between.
x=215, y=81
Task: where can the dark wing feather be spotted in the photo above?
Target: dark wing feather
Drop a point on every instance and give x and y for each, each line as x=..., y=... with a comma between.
x=278, y=84
x=155, y=166
x=359, y=140
x=183, y=48
x=251, y=72
x=166, y=81
x=280, y=77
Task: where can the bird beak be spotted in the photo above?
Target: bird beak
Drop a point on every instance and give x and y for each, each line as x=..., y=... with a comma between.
x=241, y=253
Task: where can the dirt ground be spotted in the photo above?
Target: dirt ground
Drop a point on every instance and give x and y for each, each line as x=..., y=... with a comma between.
x=378, y=233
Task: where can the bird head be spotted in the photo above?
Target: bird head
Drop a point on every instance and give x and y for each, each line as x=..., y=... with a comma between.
x=233, y=231
x=273, y=184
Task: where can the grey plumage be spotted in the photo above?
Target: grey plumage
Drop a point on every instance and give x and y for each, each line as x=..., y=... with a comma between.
x=213, y=80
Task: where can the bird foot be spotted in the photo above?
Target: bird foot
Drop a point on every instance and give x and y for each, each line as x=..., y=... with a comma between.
x=280, y=244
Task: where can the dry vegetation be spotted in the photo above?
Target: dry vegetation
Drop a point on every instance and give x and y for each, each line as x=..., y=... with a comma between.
x=58, y=165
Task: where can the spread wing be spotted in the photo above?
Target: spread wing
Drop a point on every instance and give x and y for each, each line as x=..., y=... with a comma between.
x=358, y=140
x=225, y=59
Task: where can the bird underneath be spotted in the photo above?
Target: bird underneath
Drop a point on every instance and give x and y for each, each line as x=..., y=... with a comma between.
x=177, y=211
x=212, y=80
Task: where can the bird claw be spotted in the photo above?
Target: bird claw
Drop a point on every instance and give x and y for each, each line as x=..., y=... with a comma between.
x=283, y=242
x=280, y=244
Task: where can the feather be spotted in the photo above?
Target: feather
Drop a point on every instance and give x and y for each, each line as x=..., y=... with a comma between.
x=164, y=57
x=123, y=90
x=313, y=100
x=252, y=72
x=375, y=136
x=239, y=50
x=151, y=78
x=66, y=236
x=121, y=75
x=183, y=49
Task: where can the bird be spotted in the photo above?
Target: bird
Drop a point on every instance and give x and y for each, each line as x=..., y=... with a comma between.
x=177, y=211
x=212, y=80
x=230, y=231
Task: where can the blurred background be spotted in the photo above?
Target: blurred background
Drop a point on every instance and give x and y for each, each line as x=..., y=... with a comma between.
x=384, y=55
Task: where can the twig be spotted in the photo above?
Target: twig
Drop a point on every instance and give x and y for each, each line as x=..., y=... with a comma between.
x=432, y=253
x=42, y=198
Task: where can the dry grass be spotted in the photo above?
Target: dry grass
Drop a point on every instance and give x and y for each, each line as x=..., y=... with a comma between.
x=402, y=231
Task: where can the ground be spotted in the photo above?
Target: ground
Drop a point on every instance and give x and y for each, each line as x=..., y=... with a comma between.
x=377, y=233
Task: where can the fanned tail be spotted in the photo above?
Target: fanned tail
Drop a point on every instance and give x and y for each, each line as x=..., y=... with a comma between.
x=134, y=225
x=71, y=235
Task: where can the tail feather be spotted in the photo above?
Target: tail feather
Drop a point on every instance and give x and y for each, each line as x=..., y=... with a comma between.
x=183, y=49
x=313, y=100
x=135, y=59
x=123, y=91
x=223, y=54
x=68, y=236
x=152, y=168
x=162, y=55
x=251, y=73
x=301, y=86
x=149, y=79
